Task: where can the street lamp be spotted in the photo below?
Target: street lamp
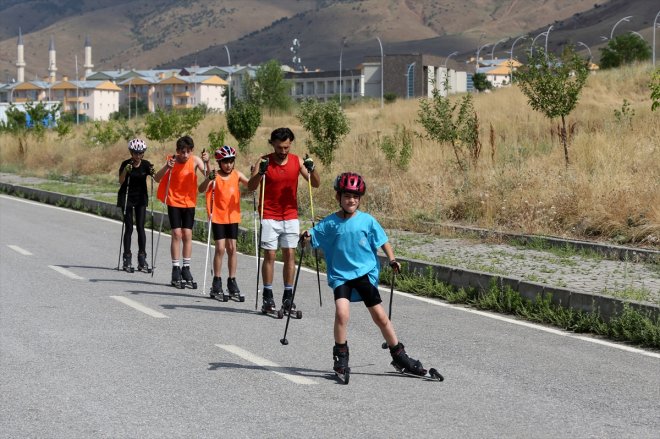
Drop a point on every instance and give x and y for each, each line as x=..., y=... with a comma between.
x=655, y=25
x=588, y=49
x=447, y=58
x=341, y=54
x=479, y=50
x=78, y=94
x=522, y=37
x=531, y=47
x=547, y=33
x=636, y=33
x=382, y=68
x=615, y=24
x=492, y=52
x=229, y=77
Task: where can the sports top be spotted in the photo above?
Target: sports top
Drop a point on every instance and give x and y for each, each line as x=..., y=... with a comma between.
x=226, y=200
x=183, y=185
x=281, y=194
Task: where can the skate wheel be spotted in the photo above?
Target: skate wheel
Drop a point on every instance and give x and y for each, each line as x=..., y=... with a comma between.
x=299, y=314
x=347, y=376
x=280, y=314
x=436, y=375
x=241, y=298
x=225, y=298
x=194, y=285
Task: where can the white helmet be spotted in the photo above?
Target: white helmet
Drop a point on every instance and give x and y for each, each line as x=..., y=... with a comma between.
x=137, y=145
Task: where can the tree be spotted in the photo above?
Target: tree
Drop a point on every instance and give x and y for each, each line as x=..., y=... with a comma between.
x=455, y=124
x=273, y=89
x=624, y=49
x=29, y=123
x=168, y=125
x=480, y=81
x=243, y=119
x=553, y=86
x=655, y=90
x=326, y=124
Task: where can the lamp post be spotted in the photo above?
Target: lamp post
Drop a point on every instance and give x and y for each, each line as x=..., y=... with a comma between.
x=588, y=49
x=615, y=24
x=531, y=47
x=382, y=68
x=636, y=33
x=492, y=52
x=229, y=77
x=655, y=25
x=522, y=37
x=341, y=53
x=479, y=50
x=547, y=33
x=77, y=94
x=129, y=98
x=449, y=56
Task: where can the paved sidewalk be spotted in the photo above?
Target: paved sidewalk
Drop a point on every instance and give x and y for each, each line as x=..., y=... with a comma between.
x=575, y=271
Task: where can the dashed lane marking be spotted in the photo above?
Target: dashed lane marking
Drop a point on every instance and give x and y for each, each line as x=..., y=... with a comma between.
x=266, y=364
x=138, y=306
x=67, y=273
x=17, y=249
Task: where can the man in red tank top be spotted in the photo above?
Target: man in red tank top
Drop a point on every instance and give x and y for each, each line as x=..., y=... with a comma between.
x=278, y=172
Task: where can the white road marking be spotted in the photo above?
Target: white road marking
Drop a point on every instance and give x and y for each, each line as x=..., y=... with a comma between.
x=19, y=250
x=266, y=364
x=554, y=331
x=50, y=206
x=66, y=272
x=138, y=306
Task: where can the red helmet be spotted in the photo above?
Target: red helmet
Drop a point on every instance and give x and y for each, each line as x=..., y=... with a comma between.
x=350, y=182
x=226, y=152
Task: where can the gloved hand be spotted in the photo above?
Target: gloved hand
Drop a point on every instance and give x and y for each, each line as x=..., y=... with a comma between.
x=128, y=168
x=394, y=265
x=152, y=170
x=212, y=175
x=263, y=166
x=305, y=235
x=309, y=164
x=205, y=156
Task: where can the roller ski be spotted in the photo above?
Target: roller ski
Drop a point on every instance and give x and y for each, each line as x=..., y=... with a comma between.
x=216, y=290
x=142, y=263
x=187, y=279
x=177, y=280
x=268, y=305
x=411, y=367
x=127, y=264
x=233, y=290
x=340, y=356
x=288, y=307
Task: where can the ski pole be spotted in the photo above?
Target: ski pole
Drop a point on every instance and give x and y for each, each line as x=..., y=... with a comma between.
x=162, y=215
x=123, y=221
x=152, y=223
x=261, y=227
x=208, y=239
x=389, y=314
x=316, y=252
x=256, y=239
x=283, y=340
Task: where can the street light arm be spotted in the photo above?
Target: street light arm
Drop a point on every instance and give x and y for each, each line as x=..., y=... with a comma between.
x=617, y=23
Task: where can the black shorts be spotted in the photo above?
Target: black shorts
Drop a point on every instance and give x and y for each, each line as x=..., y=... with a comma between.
x=224, y=231
x=181, y=217
x=359, y=289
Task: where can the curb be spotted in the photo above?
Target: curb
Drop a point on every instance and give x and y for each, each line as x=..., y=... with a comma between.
x=607, y=307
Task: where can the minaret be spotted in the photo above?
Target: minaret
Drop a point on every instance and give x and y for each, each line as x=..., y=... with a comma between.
x=20, y=62
x=88, y=66
x=52, y=67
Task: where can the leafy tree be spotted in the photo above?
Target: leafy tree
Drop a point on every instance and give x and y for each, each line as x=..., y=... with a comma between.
x=326, y=124
x=217, y=138
x=29, y=123
x=398, y=148
x=553, y=86
x=273, y=89
x=655, y=90
x=624, y=49
x=123, y=111
x=103, y=134
x=243, y=119
x=480, y=81
x=162, y=126
x=450, y=123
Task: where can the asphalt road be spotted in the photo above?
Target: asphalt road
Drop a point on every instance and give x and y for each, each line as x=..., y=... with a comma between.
x=88, y=351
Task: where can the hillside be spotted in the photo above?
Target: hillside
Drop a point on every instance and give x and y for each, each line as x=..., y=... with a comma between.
x=146, y=34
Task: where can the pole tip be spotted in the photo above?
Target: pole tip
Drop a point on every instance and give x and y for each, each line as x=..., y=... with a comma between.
x=284, y=341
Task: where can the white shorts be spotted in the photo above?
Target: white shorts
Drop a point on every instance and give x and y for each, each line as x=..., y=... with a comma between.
x=285, y=233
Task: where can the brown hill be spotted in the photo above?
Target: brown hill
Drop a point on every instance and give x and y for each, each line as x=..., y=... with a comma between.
x=146, y=33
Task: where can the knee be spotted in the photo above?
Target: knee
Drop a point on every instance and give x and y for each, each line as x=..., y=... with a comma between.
x=341, y=317
x=177, y=234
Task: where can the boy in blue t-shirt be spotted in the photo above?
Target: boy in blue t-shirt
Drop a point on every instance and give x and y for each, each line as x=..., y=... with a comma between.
x=350, y=240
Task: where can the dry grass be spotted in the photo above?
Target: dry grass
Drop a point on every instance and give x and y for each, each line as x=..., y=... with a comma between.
x=610, y=191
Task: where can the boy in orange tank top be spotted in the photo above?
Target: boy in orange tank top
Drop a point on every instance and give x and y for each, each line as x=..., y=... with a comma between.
x=223, y=204
x=178, y=190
